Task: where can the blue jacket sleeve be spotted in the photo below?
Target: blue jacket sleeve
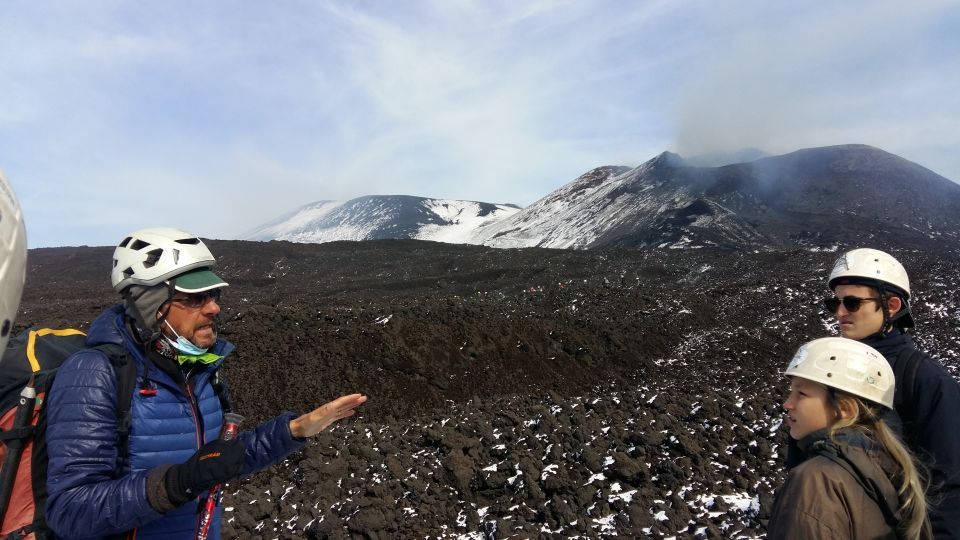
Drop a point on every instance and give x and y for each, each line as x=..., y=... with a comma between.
x=269, y=443
x=86, y=497
x=937, y=404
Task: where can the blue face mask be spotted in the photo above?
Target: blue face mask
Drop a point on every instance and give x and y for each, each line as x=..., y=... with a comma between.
x=183, y=344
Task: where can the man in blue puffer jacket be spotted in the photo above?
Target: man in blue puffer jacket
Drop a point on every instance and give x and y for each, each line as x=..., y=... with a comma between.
x=167, y=325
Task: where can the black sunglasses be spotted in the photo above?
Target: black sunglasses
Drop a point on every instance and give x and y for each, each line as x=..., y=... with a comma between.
x=852, y=303
x=196, y=300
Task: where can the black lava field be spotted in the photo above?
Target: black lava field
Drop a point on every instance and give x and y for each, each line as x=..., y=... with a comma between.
x=513, y=393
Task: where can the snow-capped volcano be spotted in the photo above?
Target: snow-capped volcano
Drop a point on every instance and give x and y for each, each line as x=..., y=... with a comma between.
x=382, y=217
x=653, y=205
x=817, y=196
x=849, y=194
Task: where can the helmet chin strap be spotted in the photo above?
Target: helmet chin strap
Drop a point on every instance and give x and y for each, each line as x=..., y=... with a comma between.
x=887, y=322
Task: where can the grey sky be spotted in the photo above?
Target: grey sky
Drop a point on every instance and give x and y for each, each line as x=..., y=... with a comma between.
x=218, y=116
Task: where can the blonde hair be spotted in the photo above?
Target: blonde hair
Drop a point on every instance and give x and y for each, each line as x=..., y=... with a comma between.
x=864, y=418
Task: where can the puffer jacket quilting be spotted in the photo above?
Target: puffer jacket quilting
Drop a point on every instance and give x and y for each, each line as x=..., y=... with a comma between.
x=87, y=499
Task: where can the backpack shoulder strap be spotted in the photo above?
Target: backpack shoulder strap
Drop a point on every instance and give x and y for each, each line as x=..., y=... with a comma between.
x=905, y=372
x=126, y=371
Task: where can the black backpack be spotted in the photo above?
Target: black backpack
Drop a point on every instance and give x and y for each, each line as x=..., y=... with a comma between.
x=905, y=399
x=902, y=419
x=28, y=367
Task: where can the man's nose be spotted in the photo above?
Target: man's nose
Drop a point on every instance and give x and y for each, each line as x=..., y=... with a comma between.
x=211, y=308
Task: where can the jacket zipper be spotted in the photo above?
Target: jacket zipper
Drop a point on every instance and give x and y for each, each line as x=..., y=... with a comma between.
x=195, y=407
x=196, y=423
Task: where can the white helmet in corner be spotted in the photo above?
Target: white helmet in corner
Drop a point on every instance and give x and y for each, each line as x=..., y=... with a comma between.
x=13, y=258
x=867, y=266
x=151, y=256
x=847, y=365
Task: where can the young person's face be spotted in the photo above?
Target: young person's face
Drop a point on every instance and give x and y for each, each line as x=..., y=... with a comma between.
x=867, y=320
x=808, y=408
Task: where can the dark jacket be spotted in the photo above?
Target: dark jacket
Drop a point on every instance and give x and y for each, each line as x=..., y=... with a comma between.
x=840, y=489
x=88, y=496
x=928, y=426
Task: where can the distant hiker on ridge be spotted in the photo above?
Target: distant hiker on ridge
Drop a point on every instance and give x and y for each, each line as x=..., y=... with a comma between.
x=871, y=304
x=158, y=478
x=854, y=479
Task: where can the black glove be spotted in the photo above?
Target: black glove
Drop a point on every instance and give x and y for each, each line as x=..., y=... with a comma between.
x=218, y=461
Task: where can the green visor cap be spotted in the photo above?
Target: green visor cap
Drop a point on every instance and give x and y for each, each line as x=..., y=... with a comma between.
x=198, y=280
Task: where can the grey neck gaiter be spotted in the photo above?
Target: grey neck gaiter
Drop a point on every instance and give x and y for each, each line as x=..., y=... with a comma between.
x=142, y=304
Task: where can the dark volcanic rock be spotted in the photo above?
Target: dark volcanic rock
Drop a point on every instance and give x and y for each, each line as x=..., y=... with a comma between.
x=513, y=393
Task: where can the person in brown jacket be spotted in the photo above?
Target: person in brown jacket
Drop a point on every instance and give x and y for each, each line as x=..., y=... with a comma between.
x=855, y=479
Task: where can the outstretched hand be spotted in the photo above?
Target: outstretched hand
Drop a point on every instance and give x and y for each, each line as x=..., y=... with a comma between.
x=320, y=418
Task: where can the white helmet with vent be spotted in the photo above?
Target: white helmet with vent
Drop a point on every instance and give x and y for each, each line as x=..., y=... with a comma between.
x=877, y=269
x=867, y=266
x=151, y=256
x=13, y=258
x=847, y=365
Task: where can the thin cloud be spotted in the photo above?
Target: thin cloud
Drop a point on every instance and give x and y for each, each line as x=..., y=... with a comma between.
x=839, y=73
x=216, y=117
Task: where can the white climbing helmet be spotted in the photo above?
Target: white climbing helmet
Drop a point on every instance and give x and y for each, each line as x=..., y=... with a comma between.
x=847, y=365
x=13, y=258
x=866, y=266
x=151, y=256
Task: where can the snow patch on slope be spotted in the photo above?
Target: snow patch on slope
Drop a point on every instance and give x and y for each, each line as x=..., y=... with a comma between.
x=294, y=223
x=462, y=219
x=578, y=213
x=388, y=216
